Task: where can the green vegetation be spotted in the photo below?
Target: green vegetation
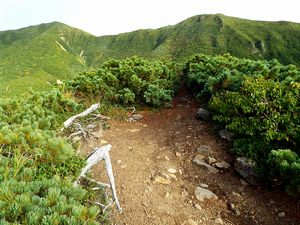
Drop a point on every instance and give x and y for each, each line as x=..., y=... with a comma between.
x=39, y=55
x=37, y=165
x=259, y=101
x=256, y=99
x=129, y=81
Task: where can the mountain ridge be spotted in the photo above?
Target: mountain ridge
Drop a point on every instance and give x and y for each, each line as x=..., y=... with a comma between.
x=36, y=55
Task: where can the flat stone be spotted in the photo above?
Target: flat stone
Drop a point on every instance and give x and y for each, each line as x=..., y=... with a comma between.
x=281, y=214
x=119, y=161
x=203, y=194
x=198, y=160
x=222, y=165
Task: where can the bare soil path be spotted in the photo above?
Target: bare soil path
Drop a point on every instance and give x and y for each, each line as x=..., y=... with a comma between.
x=156, y=178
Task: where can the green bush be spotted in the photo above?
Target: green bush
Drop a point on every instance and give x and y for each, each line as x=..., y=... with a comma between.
x=129, y=81
x=259, y=102
x=37, y=165
x=265, y=116
x=284, y=165
x=52, y=201
x=262, y=108
x=207, y=75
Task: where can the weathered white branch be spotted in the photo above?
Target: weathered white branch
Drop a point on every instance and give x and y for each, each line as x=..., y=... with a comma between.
x=106, y=207
x=111, y=179
x=92, y=108
x=98, y=155
x=133, y=110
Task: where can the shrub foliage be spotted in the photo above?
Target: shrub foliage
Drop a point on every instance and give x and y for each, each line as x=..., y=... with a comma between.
x=257, y=100
x=37, y=165
x=128, y=81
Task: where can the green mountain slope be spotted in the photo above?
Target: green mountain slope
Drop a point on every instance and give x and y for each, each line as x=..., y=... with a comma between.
x=37, y=55
x=34, y=56
x=213, y=34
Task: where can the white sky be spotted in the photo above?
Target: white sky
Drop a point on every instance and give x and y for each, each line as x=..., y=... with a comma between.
x=101, y=17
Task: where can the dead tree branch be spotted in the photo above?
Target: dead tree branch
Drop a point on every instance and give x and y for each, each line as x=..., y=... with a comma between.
x=98, y=155
x=92, y=108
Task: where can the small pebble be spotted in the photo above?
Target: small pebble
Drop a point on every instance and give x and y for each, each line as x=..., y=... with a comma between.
x=219, y=221
x=172, y=170
x=197, y=206
x=178, y=154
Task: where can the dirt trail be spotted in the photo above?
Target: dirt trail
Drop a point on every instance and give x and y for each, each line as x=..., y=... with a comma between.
x=145, y=150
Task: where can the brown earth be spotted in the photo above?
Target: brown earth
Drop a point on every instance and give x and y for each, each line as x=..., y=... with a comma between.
x=145, y=150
